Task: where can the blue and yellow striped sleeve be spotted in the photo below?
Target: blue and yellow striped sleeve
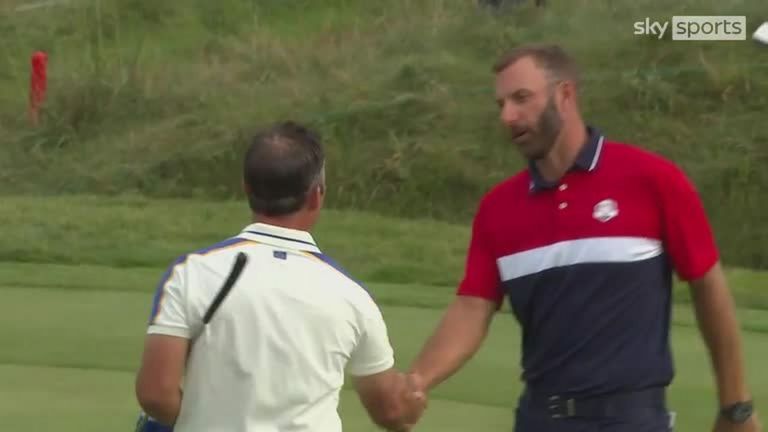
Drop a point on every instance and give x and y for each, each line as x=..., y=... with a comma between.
x=169, y=311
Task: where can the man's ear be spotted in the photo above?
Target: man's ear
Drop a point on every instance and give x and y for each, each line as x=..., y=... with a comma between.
x=567, y=91
x=315, y=197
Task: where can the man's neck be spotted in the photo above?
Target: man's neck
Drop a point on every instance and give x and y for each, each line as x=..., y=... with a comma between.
x=563, y=153
x=295, y=222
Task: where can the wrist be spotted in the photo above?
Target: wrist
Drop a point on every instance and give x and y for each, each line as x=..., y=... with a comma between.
x=732, y=389
x=728, y=398
x=737, y=412
x=424, y=380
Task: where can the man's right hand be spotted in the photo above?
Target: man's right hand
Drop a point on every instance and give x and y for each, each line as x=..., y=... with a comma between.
x=394, y=400
x=415, y=397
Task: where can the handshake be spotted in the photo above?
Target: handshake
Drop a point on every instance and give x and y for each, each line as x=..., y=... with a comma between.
x=407, y=403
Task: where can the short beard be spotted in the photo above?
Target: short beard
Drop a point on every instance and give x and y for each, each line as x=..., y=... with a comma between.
x=548, y=128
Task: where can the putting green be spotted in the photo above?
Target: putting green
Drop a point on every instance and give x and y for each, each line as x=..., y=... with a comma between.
x=69, y=357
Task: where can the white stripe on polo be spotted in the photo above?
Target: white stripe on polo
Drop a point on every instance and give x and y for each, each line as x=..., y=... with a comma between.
x=580, y=251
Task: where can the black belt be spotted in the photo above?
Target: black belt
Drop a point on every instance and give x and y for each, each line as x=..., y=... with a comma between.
x=613, y=405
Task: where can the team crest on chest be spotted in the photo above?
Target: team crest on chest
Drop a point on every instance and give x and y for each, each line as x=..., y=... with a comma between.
x=605, y=210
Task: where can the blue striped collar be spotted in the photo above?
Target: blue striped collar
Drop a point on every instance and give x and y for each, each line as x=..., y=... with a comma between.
x=280, y=236
x=587, y=160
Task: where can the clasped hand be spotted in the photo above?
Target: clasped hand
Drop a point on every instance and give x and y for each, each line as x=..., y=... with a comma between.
x=413, y=398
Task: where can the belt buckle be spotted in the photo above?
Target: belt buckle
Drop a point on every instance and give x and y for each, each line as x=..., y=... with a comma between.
x=566, y=408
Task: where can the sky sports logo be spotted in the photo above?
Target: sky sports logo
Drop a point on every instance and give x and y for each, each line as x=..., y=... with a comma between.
x=696, y=28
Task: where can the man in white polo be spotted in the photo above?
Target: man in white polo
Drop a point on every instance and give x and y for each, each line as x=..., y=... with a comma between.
x=274, y=356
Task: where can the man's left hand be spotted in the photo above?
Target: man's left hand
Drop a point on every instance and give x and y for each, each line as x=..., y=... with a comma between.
x=751, y=425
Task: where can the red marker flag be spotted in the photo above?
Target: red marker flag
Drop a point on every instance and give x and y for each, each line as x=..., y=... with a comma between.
x=37, y=85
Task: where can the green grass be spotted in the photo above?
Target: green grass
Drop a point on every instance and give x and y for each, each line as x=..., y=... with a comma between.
x=131, y=232
x=73, y=313
x=68, y=242
x=86, y=365
x=159, y=97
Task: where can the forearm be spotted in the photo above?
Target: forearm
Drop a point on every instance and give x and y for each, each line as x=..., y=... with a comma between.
x=456, y=340
x=164, y=409
x=719, y=328
x=389, y=399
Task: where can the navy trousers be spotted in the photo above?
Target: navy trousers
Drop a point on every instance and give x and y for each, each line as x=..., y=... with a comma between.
x=647, y=413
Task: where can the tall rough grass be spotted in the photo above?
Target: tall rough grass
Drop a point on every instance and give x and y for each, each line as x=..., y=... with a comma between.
x=160, y=97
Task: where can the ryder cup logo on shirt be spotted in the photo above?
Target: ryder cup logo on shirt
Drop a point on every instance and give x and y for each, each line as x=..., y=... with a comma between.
x=605, y=210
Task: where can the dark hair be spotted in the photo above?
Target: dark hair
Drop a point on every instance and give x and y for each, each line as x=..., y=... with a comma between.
x=281, y=165
x=558, y=64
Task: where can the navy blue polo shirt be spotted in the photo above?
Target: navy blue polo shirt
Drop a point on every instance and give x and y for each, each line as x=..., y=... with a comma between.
x=586, y=264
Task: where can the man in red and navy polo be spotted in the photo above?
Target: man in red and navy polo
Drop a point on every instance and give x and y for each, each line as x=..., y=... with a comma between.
x=584, y=245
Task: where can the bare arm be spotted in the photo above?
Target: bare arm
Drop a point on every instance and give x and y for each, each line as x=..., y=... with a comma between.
x=389, y=399
x=457, y=338
x=158, y=383
x=690, y=243
x=716, y=316
x=465, y=323
x=387, y=394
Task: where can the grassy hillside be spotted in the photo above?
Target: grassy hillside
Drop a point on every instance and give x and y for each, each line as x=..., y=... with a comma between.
x=124, y=245
x=157, y=98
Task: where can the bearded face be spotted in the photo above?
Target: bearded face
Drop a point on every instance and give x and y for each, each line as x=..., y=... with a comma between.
x=528, y=108
x=534, y=139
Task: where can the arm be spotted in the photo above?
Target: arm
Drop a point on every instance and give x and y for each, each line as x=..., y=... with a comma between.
x=390, y=400
x=384, y=392
x=159, y=379
x=716, y=317
x=690, y=242
x=456, y=339
x=465, y=324
x=158, y=383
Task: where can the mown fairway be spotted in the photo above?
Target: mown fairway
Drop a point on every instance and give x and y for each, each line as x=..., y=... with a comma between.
x=71, y=333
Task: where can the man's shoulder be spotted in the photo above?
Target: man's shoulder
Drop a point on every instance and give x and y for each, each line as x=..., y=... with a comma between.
x=214, y=252
x=501, y=192
x=228, y=244
x=335, y=268
x=633, y=155
x=633, y=158
x=341, y=278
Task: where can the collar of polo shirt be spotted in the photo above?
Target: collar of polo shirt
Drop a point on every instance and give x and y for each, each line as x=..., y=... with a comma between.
x=585, y=161
x=280, y=236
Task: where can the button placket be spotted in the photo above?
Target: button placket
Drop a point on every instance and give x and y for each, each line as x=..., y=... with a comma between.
x=561, y=196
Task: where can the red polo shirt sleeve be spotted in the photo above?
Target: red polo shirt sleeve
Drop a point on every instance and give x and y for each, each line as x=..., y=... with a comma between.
x=481, y=275
x=687, y=234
